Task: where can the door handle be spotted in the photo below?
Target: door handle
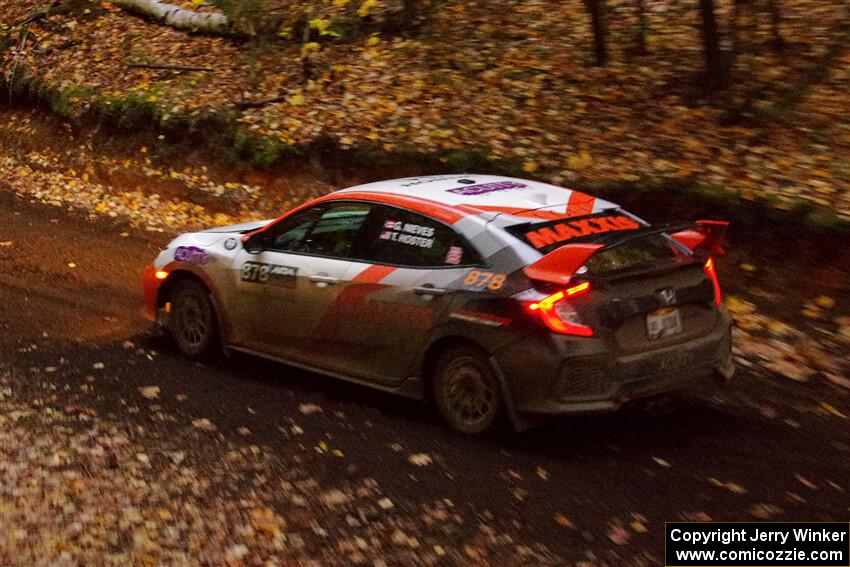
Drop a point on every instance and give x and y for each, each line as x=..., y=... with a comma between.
x=429, y=289
x=326, y=280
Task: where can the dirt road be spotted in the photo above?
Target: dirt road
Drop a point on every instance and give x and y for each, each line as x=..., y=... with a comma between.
x=595, y=489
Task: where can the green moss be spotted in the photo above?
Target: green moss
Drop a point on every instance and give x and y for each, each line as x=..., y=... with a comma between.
x=133, y=112
x=69, y=103
x=262, y=151
x=343, y=28
x=825, y=221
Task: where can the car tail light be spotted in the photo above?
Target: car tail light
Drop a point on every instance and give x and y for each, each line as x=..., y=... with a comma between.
x=711, y=272
x=559, y=315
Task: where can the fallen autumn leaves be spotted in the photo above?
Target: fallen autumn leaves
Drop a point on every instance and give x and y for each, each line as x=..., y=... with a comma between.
x=81, y=488
x=96, y=489
x=79, y=178
x=537, y=105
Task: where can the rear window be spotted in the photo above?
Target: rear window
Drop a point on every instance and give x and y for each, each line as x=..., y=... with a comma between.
x=647, y=249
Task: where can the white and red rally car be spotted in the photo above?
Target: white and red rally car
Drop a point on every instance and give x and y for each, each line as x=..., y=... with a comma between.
x=491, y=296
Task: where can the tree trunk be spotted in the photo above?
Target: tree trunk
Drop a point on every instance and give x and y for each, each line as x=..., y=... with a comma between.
x=775, y=22
x=714, y=67
x=177, y=17
x=411, y=11
x=642, y=26
x=735, y=27
x=597, y=21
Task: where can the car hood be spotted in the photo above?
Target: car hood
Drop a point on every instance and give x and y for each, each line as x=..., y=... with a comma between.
x=241, y=228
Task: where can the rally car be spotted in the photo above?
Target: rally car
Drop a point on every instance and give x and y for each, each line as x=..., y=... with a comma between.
x=493, y=297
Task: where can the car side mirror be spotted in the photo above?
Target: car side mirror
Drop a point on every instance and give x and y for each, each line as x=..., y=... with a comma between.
x=255, y=243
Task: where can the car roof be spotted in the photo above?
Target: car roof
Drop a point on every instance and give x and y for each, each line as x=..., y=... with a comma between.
x=511, y=199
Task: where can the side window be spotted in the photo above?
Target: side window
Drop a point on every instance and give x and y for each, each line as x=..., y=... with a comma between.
x=335, y=232
x=396, y=236
x=288, y=235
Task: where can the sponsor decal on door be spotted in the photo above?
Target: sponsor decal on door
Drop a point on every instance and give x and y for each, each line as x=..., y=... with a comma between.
x=271, y=274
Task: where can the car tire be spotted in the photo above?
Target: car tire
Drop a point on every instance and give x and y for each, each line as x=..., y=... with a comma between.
x=466, y=391
x=193, y=324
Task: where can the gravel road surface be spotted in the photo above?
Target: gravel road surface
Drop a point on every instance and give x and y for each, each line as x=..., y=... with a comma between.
x=115, y=450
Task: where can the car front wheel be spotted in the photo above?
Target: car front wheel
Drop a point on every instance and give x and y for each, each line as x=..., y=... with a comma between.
x=193, y=321
x=466, y=391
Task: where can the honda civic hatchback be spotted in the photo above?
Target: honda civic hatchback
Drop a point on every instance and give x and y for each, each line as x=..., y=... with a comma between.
x=493, y=297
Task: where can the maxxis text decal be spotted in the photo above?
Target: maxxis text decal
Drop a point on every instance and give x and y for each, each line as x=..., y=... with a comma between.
x=564, y=231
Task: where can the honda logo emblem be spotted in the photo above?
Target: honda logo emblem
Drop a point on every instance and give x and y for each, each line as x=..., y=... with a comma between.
x=667, y=296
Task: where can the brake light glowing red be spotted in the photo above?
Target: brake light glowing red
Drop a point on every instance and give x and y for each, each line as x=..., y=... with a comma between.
x=548, y=308
x=711, y=272
x=578, y=289
x=547, y=302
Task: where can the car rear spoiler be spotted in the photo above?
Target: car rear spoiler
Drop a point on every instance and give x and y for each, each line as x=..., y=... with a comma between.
x=560, y=265
x=704, y=235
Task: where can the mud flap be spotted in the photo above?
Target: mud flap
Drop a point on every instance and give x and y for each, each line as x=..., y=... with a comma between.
x=519, y=422
x=724, y=371
x=226, y=351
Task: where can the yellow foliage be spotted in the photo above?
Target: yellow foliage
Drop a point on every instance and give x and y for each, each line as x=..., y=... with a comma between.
x=297, y=99
x=579, y=161
x=321, y=25
x=736, y=305
x=366, y=7
x=310, y=47
x=833, y=410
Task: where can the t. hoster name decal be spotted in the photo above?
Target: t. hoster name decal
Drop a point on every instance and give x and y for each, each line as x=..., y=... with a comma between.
x=408, y=233
x=272, y=274
x=554, y=233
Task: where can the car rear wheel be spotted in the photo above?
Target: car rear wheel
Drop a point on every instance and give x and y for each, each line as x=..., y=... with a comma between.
x=466, y=391
x=193, y=321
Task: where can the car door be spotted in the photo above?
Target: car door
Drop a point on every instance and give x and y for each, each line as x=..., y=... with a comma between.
x=396, y=290
x=285, y=291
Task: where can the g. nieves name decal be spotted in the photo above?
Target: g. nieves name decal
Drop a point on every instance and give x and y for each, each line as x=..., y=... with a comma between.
x=408, y=233
x=563, y=231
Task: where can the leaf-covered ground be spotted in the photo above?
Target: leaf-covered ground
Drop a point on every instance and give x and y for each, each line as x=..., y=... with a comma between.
x=115, y=450
x=803, y=336
x=509, y=81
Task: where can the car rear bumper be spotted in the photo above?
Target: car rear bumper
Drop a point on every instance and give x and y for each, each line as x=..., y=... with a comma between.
x=558, y=374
